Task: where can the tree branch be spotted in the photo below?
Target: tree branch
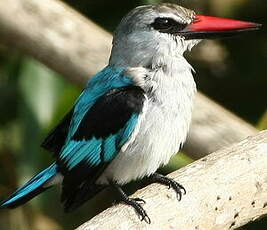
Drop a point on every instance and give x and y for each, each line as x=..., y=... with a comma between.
x=213, y=127
x=56, y=35
x=74, y=46
x=225, y=190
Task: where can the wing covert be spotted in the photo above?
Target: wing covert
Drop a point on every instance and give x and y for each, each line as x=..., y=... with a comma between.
x=105, y=127
x=107, y=79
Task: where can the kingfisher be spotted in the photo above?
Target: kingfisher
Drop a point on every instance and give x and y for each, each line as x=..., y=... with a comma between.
x=133, y=115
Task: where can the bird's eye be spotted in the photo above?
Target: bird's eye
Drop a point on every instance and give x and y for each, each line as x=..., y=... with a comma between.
x=162, y=23
x=167, y=25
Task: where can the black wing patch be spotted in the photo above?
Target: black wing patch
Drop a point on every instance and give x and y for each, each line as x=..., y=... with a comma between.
x=110, y=113
x=57, y=137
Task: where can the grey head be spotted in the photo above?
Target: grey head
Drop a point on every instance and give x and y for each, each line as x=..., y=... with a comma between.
x=146, y=18
x=148, y=31
x=166, y=30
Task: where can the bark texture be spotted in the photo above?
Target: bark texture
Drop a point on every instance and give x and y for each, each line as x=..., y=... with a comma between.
x=225, y=190
x=56, y=35
x=213, y=127
x=77, y=48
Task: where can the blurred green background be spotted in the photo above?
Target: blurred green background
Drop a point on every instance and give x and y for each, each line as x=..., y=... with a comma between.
x=33, y=98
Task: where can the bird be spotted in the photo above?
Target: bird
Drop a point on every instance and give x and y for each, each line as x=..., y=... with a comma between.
x=134, y=114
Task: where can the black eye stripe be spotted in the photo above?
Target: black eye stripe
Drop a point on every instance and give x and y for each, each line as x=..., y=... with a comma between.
x=167, y=25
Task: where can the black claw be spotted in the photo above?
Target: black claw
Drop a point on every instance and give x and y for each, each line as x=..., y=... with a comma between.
x=147, y=220
x=179, y=196
x=143, y=215
x=139, y=200
x=138, y=208
x=134, y=203
x=140, y=211
x=178, y=188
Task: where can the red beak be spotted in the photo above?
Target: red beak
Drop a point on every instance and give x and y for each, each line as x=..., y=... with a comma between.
x=214, y=27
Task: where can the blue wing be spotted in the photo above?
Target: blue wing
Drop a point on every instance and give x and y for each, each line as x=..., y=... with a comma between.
x=103, y=119
x=109, y=78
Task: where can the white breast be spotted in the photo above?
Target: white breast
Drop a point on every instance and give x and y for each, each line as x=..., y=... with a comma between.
x=162, y=128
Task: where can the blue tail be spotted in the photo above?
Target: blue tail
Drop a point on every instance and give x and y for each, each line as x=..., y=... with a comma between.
x=31, y=189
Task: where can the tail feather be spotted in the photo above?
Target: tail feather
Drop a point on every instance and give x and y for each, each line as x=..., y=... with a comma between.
x=31, y=189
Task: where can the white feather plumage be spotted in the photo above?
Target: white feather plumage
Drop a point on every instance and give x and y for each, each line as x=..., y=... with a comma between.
x=164, y=121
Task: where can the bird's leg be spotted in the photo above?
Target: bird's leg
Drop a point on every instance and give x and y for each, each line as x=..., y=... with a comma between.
x=133, y=202
x=178, y=188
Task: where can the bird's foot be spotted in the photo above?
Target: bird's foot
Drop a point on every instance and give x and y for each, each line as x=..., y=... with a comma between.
x=178, y=188
x=135, y=203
